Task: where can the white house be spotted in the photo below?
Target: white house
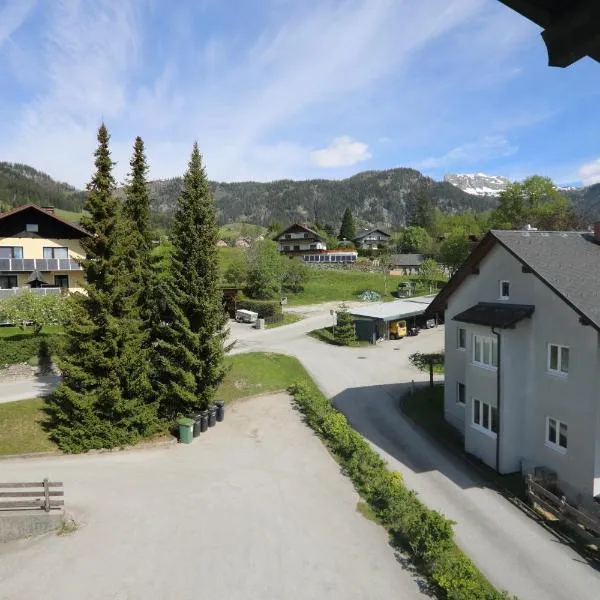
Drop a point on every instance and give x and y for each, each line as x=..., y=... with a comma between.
x=522, y=372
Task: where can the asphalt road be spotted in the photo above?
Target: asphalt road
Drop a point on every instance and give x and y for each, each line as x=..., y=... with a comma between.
x=254, y=509
x=513, y=551
x=27, y=388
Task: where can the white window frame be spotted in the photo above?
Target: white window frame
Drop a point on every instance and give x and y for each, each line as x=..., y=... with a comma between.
x=484, y=407
x=556, y=446
x=501, y=295
x=485, y=341
x=458, y=346
x=559, y=360
x=458, y=384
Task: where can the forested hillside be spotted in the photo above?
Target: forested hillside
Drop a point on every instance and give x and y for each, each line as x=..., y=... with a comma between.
x=21, y=184
x=385, y=198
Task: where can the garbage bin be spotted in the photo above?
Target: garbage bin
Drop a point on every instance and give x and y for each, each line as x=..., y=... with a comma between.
x=204, y=420
x=220, y=410
x=186, y=430
x=212, y=416
x=197, y=417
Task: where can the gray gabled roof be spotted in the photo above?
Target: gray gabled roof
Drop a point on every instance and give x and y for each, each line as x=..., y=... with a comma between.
x=568, y=262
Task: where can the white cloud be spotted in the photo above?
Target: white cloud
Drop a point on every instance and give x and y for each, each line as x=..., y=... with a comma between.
x=246, y=105
x=12, y=15
x=589, y=172
x=493, y=146
x=343, y=151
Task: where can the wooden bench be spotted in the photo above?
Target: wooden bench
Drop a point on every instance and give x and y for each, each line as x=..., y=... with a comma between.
x=21, y=496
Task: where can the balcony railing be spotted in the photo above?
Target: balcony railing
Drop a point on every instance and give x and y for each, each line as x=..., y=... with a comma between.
x=38, y=291
x=25, y=265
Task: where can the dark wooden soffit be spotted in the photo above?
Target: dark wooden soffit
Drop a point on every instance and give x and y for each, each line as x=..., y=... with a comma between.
x=571, y=27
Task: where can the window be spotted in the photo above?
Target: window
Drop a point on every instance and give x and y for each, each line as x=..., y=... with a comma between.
x=307, y=235
x=556, y=434
x=8, y=281
x=485, y=351
x=61, y=281
x=461, y=338
x=11, y=251
x=31, y=227
x=296, y=247
x=51, y=252
x=288, y=236
x=504, y=290
x=558, y=359
x=485, y=417
x=460, y=393
x=313, y=246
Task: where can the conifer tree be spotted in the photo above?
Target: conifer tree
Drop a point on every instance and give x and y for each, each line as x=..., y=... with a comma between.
x=189, y=321
x=348, y=228
x=345, y=331
x=101, y=401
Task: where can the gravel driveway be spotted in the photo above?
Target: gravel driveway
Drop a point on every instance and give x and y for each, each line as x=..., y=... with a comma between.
x=257, y=509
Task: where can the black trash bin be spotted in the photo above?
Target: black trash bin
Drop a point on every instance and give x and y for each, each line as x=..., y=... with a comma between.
x=204, y=420
x=220, y=410
x=197, y=422
x=212, y=416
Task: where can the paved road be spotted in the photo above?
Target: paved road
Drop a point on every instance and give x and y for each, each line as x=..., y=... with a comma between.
x=254, y=509
x=27, y=388
x=365, y=383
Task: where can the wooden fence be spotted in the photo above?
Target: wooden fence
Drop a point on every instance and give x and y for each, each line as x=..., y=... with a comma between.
x=21, y=496
x=583, y=524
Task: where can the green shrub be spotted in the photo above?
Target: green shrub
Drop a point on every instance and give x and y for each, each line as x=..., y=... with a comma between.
x=20, y=348
x=426, y=534
x=264, y=308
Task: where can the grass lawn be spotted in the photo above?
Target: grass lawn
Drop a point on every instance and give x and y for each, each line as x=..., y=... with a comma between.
x=241, y=229
x=68, y=215
x=259, y=373
x=326, y=285
x=288, y=319
x=326, y=335
x=426, y=408
x=21, y=429
x=229, y=255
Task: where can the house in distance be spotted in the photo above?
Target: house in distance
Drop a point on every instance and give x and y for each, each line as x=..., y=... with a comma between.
x=371, y=239
x=298, y=239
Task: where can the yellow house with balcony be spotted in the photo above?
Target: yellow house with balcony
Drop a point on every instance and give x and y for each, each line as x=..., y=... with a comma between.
x=40, y=250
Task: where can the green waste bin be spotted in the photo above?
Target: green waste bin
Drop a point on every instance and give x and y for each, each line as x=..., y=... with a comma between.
x=186, y=430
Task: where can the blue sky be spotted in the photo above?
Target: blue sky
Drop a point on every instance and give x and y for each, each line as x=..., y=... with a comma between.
x=277, y=89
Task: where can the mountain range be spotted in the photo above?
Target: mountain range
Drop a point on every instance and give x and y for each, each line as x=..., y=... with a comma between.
x=377, y=198
x=478, y=184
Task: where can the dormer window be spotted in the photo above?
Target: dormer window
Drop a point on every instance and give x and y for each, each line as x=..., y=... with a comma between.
x=31, y=227
x=504, y=290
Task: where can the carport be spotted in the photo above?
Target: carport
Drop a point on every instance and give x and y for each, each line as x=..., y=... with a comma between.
x=372, y=322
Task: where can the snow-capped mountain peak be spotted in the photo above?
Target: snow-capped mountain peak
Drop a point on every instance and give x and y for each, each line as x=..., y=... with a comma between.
x=478, y=184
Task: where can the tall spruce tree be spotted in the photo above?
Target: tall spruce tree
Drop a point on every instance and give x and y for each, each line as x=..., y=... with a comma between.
x=348, y=228
x=189, y=321
x=424, y=212
x=102, y=400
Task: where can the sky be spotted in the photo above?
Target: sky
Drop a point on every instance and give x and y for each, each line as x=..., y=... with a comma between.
x=277, y=89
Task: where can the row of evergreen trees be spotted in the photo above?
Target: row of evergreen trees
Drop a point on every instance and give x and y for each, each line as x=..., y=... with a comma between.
x=143, y=346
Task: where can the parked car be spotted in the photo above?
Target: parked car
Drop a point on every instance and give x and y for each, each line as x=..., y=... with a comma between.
x=245, y=316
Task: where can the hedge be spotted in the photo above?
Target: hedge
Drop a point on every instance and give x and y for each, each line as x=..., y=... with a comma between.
x=20, y=348
x=425, y=534
x=264, y=308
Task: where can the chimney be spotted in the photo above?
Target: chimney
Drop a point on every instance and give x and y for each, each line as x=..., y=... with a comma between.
x=597, y=232
x=48, y=209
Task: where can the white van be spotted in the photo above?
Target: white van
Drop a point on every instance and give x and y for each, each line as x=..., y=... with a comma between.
x=245, y=316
